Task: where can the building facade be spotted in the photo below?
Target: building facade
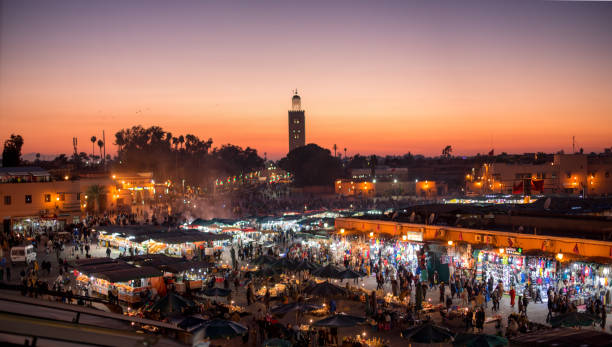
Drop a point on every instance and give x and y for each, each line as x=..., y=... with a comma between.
x=297, y=125
x=571, y=174
x=32, y=200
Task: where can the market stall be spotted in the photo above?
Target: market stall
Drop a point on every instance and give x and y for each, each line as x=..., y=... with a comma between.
x=101, y=276
x=504, y=266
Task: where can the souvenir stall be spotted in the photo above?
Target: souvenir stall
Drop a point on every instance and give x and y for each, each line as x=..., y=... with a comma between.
x=504, y=267
x=541, y=272
x=395, y=252
x=583, y=281
x=459, y=258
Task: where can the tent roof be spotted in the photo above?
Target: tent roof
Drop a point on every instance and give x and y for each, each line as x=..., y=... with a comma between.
x=125, y=275
x=564, y=337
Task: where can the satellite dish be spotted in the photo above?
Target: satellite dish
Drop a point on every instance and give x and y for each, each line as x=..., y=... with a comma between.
x=547, y=203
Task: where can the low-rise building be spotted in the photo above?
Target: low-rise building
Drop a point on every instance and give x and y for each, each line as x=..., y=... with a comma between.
x=572, y=174
x=375, y=187
x=32, y=200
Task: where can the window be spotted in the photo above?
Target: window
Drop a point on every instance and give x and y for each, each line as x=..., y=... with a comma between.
x=47, y=197
x=62, y=196
x=7, y=199
x=28, y=199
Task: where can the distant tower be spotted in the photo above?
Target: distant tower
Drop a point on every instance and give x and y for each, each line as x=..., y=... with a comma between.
x=297, y=125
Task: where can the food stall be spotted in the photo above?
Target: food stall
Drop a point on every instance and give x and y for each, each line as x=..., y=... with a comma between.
x=149, y=239
x=100, y=276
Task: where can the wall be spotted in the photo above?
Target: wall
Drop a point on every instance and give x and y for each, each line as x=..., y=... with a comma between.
x=495, y=239
x=63, y=198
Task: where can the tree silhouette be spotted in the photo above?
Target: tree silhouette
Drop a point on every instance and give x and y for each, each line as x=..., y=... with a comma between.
x=96, y=197
x=447, y=152
x=312, y=165
x=93, y=145
x=181, y=156
x=11, y=154
x=100, y=144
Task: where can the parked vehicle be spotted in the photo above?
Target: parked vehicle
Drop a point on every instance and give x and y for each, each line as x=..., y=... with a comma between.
x=23, y=254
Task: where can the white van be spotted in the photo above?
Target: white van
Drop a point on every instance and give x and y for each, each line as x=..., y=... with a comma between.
x=23, y=254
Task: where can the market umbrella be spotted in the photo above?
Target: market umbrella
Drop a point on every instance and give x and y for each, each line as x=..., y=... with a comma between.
x=428, y=333
x=276, y=343
x=348, y=273
x=284, y=263
x=325, y=289
x=573, y=319
x=216, y=291
x=479, y=340
x=191, y=323
x=306, y=265
x=299, y=306
x=264, y=260
x=267, y=271
x=219, y=328
x=171, y=303
x=339, y=320
x=327, y=271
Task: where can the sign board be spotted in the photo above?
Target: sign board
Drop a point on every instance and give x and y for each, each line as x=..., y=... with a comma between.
x=414, y=236
x=514, y=251
x=209, y=251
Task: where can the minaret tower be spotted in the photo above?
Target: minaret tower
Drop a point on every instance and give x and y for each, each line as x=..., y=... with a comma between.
x=297, y=125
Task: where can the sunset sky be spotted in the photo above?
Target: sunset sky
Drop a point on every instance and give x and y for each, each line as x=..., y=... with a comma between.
x=384, y=77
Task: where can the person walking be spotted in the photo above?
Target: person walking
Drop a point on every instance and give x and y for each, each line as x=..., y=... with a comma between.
x=551, y=306
x=512, y=296
x=468, y=320
x=480, y=319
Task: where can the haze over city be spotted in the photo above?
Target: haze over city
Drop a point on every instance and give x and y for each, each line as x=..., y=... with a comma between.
x=383, y=78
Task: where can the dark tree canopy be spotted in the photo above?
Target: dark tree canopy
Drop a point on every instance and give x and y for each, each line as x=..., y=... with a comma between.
x=312, y=165
x=11, y=155
x=183, y=156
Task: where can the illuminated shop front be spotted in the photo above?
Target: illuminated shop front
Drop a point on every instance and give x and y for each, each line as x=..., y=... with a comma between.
x=583, y=280
x=505, y=265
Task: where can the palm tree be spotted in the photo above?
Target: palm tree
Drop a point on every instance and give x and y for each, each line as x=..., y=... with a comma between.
x=93, y=144
x=101, y=144
x=181, y=140
x=344, y=152
x=335, y=148
x=447, y=152
x=96, y=196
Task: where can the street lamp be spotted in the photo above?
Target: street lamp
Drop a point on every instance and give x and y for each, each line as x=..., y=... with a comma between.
x=450, y=242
